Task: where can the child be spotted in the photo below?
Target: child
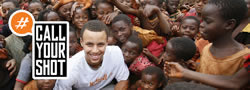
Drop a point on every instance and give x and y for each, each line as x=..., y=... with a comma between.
x=79, y=19
x=152, y=78
x=65, y=10
x=48, y=15
x=172, y=6
x=42, y=84
x=35, y=7
x=122, y=29
x=180, y=49
x=105, y=11
x=6, y=7
x=196, y=11
x=151, y=17
x=223, y=56
x=131, y=49
x=74, y=45
x=7, y=73
x=189, y=27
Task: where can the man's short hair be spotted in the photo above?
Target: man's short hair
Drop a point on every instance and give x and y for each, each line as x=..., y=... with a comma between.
x=95, y=26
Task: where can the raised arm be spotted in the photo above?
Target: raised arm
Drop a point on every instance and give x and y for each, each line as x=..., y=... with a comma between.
x=149, y=10
x=125, y=9
x=236, y=81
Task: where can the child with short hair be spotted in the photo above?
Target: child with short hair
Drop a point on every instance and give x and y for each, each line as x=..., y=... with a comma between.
x=224, y=55
x=152, y=78
x=189, y=27
x=131, y=49
x=35, y=7
x=180, y=49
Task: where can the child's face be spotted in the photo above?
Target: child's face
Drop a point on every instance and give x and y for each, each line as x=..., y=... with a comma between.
x=35, y=9
x=46, y=84
x=72, y=43
x=172, y=6
x=64, y=11
x=103, y=9
x=121, y=31
x=199, y=4
x=94, y=44
x=130, y=51
x=52, y=16
x=212, y=26
x=6, y=7
x=149, y=82
x=80, y=18
x=189, y=28
x=125, y=2
x=170, y=56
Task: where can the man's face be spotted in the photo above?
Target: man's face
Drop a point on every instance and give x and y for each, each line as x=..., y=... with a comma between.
x=94, y=44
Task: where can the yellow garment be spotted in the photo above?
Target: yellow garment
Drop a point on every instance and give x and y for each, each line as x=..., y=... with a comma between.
x=221, y=66
x=31, y=86
x=247, y=28
x=147, y=36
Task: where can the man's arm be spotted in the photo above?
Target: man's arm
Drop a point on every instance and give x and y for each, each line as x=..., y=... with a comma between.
x=122, y=85
x=236, y=81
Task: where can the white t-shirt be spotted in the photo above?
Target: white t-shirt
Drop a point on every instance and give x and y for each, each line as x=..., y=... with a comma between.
x=82, y=77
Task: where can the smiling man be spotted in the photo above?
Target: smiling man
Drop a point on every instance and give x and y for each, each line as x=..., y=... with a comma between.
x=98, y=64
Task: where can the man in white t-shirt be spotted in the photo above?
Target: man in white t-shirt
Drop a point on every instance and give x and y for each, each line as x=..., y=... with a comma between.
x=97, y=65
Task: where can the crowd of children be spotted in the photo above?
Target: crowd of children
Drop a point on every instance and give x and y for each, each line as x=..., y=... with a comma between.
x=135, y=44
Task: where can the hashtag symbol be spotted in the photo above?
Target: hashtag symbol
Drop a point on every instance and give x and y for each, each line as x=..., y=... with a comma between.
x=22, y=23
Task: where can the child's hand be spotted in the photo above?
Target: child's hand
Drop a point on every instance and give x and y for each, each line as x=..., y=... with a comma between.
x=149, y=10
x=109, y=17
x=146, y=52
x=11, y=66
x=173, y=69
